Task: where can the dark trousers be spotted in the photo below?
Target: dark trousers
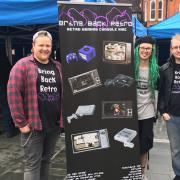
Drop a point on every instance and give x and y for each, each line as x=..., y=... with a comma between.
x=173, y=131
x=38, y=150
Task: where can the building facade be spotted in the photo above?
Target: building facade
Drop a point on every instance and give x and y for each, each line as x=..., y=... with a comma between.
x=136, y=6
x=155, y=11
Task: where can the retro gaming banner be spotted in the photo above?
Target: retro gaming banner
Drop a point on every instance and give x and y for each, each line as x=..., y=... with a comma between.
x=100, y=115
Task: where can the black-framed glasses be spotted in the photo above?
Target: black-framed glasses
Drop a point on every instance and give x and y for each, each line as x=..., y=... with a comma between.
x=146, y=49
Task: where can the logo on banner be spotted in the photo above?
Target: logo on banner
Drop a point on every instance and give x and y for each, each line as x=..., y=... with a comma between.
x=88, y=20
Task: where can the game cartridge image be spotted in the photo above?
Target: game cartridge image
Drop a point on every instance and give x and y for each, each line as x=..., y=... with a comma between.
x=85, y=81
x=83, y=110
x=117, y=109
x=126, y=136
x=116, y=52
x=88, y=141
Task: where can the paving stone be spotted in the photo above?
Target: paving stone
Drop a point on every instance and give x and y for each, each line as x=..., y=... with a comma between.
x=11, y=158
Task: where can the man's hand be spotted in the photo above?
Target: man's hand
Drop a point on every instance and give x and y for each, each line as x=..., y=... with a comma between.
x=166, y=116
x=25, y=129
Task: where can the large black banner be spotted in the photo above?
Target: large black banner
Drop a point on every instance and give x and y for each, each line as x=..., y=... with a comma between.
x=100, y=115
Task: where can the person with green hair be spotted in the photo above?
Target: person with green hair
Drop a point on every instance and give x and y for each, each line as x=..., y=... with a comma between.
x=146, y=76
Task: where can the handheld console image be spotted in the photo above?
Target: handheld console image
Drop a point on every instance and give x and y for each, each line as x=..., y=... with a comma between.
x=85, y=81
x=117, y=109
x=116, y=52
x=85, y=110
x=126, y=136
x=88, y=141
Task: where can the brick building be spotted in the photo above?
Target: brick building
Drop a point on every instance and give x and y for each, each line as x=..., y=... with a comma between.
x=136, y=6
x=155, y=11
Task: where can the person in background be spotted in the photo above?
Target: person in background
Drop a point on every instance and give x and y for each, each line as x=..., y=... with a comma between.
x=169, y=101
x=35, y=100
x=146, y=75
x=8, y=125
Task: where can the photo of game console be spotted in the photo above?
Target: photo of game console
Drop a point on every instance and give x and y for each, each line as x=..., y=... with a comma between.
x=119, y=81
x=126, y=136
x=117, y=109
x=116, y=52
x=91, y=140
x=85, y=54
x=84, y=110
x=85, y=81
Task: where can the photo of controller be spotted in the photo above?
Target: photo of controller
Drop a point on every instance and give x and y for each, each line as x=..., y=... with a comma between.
x=119, y=81
x=71, y=57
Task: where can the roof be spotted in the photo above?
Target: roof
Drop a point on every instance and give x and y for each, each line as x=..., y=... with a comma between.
x=166, y=28
x=27, y=12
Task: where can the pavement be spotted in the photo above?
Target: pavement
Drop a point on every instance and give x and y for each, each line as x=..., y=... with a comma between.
x=11, y=158
x=160, y=166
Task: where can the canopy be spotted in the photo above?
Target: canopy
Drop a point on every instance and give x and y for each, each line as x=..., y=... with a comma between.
x=27, y=12
x=166, y=28
x=138, y=29
x=30, y=12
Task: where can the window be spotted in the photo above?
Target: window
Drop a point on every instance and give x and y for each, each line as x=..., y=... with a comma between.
x=152, y=9
x=145, y=11
x=160, y=10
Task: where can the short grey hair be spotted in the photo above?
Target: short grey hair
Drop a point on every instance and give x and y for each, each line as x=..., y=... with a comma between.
x=175, y=37
x=42, y=33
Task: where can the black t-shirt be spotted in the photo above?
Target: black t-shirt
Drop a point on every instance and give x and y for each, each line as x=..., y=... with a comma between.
x=49, y=95
x=175, y=92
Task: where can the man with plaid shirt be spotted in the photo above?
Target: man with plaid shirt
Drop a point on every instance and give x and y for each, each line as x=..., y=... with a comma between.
x=35, y=97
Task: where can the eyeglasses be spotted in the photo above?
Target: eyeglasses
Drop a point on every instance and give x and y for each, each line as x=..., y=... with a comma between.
x=145, y=49
x=176, y=47
x=42, y=33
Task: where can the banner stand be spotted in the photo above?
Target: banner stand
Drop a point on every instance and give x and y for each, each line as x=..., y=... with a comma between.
x=100, y=108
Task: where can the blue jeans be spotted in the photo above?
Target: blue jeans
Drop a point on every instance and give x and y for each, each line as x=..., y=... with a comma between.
x=38, y=150
x=173, y=131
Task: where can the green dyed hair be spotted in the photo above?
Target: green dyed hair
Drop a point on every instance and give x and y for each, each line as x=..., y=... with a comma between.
x=153, y=69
